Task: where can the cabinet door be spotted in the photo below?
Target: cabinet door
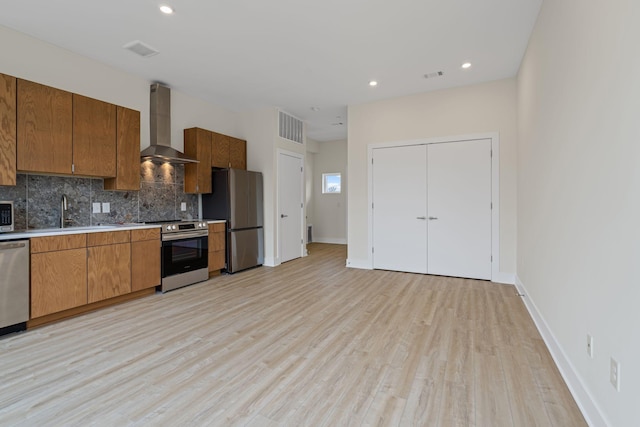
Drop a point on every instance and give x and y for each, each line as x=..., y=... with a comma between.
x=94, y=137
x=237, y=153
x=217, y=259
x=58, y=281
x=7, y=130
x=220, y=151
x=109, y=271
x=127, y=151
x=197, y=176
x=44, y=134
x=145, y=262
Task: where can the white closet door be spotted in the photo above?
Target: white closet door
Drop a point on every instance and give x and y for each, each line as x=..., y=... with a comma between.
x=290, y=187
x=400, y=208
x=459, y=197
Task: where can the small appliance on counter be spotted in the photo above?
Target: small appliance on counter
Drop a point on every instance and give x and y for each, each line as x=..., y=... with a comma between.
x=237, y=199
x=6, y=217
x=14, y=285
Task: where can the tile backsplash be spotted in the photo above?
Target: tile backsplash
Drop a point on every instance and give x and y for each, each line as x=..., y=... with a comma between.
x=37, y=199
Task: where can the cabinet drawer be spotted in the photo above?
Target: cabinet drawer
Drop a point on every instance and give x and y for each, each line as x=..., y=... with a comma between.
x=145, y=234
x=58, y=243
x=108, y=238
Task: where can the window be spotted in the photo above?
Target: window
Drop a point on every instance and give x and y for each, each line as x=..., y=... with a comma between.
x=331, y=183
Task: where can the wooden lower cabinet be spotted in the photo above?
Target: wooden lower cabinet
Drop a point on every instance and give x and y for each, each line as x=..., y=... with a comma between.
x=58, y=273
x=217, y=259
x=145, y=259
x=108, y=271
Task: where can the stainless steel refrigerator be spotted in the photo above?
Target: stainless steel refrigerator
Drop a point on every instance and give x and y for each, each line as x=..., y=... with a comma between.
x=237, y=198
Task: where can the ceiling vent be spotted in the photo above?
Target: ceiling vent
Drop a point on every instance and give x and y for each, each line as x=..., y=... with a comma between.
x=291, y=128
x=433, y=75
x=141, y=49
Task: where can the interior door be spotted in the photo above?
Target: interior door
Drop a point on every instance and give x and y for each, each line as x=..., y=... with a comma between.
x=290, y=202
x=459, y=200
x=400, y=208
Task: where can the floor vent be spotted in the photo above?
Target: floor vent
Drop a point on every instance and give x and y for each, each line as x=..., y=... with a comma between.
x=141, y=49
x=291, y=128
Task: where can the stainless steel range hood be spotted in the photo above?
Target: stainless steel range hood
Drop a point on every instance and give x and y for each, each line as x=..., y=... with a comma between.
x=160, y=114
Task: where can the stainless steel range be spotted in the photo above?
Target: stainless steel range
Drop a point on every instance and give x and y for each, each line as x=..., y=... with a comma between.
x=185, y=253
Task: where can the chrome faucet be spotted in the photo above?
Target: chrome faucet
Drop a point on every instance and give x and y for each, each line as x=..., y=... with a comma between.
x=63, y=208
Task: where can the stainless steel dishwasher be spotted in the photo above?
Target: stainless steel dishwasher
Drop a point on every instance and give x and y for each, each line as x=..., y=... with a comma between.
x=14, y=285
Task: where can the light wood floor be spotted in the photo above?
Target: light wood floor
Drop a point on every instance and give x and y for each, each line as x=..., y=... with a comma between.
x=307, y=343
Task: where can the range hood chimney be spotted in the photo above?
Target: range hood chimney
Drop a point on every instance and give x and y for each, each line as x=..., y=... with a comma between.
x=160, y=114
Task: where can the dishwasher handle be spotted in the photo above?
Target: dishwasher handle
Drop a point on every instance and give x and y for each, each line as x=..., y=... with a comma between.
x=12, y=245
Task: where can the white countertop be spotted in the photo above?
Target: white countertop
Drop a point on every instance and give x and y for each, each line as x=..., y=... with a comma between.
x=214, y=221
x=44, y=232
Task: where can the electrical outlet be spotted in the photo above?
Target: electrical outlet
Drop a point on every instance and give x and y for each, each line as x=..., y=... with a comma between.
x=614, y=374
x=590, y=345
x=183, y=206
x=96, y=208
x=106, y=207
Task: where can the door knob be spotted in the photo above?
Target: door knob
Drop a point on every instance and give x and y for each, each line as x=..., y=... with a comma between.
x=283, y=216
x=431, y=218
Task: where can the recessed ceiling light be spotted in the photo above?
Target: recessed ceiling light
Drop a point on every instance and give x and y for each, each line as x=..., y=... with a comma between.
x=166, y=9
x=466, y=65
x=373, y=83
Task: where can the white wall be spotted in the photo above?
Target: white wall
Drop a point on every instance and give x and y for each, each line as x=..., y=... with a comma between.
x=579, y=195
x=260, y=129
x=482, y=108
x=309, y=160
x=31, y=59
x=330, y=210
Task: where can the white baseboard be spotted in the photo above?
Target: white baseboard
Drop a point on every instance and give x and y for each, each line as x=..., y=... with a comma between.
x=505, y=278
x=587, y=405
x=271, y=262
x=332, y=240
x=363, y=264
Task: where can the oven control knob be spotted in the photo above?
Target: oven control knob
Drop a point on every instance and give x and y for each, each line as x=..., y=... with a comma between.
x=173, y=227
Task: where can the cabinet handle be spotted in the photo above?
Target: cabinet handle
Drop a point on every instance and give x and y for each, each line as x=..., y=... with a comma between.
x=421, y=217
x=431, y=218
x=284, y=216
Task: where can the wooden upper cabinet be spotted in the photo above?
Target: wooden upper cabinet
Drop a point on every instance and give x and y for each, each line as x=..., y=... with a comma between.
x=7, y=130
x=94, y=137
x=228, y=152
x=237, y=153
x=220, y=151
x=127, y=151
x=44, y=132
x=197, y=176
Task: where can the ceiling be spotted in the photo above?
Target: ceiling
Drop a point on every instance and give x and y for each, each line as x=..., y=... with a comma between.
x=292, y=54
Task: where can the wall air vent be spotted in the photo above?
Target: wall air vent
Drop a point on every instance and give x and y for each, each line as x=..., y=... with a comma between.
x=141, y=49
x=291, y=128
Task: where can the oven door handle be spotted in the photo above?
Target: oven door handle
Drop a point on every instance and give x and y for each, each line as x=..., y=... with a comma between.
x=183, y=236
